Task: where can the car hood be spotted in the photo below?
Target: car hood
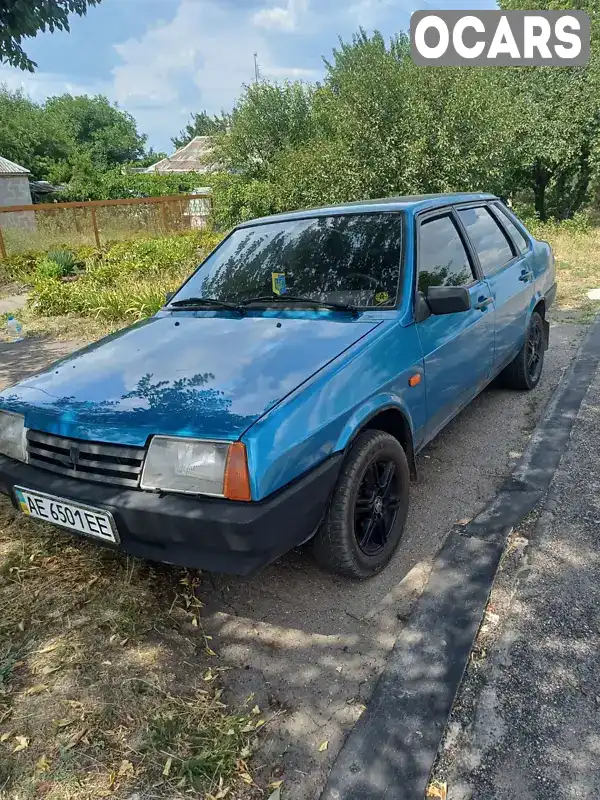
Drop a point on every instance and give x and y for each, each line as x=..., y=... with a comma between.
x=204, y=376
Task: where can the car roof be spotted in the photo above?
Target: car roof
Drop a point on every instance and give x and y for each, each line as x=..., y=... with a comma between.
x=413, y=203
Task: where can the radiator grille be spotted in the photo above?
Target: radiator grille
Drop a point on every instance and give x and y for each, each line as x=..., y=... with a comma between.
x=91, y=461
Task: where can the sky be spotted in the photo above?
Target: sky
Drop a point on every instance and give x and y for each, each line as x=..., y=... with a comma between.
x=161, y=60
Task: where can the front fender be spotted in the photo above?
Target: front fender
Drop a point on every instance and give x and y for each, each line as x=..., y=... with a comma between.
x=361, y=416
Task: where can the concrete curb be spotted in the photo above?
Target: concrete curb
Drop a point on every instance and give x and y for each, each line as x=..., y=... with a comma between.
x=390, y=752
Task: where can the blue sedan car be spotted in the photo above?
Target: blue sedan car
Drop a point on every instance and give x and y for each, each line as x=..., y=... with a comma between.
x=282, y=393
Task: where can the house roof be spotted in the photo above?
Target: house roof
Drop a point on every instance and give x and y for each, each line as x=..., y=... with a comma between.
x=409, y=202
x=8, y=168
x=195, y=156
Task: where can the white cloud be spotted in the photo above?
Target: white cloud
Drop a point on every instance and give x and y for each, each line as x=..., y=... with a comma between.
x=40, y=85
x=285, y=18
x=205, y=45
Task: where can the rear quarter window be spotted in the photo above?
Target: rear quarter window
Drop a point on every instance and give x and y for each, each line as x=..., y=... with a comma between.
x=515, y=234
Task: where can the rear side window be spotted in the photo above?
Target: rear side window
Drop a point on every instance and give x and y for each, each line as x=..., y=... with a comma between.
x=487, y=238
x=514, y=233
x=443, y=260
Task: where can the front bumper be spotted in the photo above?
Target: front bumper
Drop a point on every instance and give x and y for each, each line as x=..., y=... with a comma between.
x=196, y=532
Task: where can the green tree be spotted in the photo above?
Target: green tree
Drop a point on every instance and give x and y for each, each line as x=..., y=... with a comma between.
x=201, y=124
x=377, y=126
x=267, y=120
x=28, y=137
x=66, y=136
x=102, y=132
x=21, y=19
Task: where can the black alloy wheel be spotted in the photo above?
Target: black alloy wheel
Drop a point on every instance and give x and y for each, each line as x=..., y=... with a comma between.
x=376, y=506
x=367, y=511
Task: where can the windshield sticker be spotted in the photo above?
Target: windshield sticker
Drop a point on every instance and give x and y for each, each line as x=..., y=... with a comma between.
x=278, y=282
x=382, y=297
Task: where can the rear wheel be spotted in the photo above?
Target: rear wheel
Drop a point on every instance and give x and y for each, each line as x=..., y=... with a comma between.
x=525, y=371
x=368, y=509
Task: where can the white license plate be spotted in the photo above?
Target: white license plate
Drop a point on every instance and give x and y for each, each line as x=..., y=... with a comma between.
x=67, y=514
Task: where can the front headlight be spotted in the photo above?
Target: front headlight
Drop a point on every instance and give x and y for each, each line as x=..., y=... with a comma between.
x=13, y=435
x=191, y=466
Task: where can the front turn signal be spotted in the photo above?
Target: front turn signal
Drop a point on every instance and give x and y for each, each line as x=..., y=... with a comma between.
x=236, y=485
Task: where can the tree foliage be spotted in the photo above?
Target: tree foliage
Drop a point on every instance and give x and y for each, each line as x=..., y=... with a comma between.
x=378, y=126
x=201, y=124
x=67, y=137
x=20, y=19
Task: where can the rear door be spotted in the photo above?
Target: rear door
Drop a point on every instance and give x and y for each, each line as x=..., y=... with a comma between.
x=504, y=263
x=457, y=348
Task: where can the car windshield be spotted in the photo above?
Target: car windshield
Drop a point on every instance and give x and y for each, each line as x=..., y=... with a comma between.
x=350, y=259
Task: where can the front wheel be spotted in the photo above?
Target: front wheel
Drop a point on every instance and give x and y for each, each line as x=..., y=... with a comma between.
x=368, y=509
x=525, y=371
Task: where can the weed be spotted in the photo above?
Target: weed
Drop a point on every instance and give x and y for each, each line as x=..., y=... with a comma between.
x=125, y=282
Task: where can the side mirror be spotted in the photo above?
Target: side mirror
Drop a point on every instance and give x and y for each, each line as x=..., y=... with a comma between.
x=169, y=296
x=448, y=299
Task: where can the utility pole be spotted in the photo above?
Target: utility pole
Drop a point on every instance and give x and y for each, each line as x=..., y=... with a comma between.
x=256, y=71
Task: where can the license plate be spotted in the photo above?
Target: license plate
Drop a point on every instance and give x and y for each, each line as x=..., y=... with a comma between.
x=74, y=516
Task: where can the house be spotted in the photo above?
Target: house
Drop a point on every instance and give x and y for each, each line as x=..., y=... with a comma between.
x=14, y=184
x=14, y=191
x=195, y=156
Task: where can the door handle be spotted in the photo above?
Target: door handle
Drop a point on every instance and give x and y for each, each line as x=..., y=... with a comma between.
x=483, y=303
x=526, y=276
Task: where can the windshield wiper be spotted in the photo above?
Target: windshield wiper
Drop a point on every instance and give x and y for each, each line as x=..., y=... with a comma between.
x=206, y=302
x=286, y=298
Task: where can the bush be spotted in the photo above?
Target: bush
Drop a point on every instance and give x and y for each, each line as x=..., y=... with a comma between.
x=126, y=281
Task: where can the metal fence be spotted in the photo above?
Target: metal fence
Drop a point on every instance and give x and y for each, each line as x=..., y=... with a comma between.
x=97, y=222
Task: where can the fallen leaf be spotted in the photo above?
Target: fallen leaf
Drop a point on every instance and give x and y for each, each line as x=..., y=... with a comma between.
x=22, y=743
x=195, y=622
x=42, y=764
x=75, y=738
x=126, y=769
x=246, y=778
x=5, y=736
x=37, y=689
x=275, y=785
x=49, y=670
x=437, y=789
x=167, y=767
x=323, y=746
x=276, y=794
x=208, y=676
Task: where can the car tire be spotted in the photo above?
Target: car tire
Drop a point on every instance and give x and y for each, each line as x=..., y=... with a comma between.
x=522, y=373
x=344, y=543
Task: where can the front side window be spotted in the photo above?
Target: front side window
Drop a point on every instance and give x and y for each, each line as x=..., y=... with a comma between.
x=352, y=259
x=443, y=260
x=487, y=238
